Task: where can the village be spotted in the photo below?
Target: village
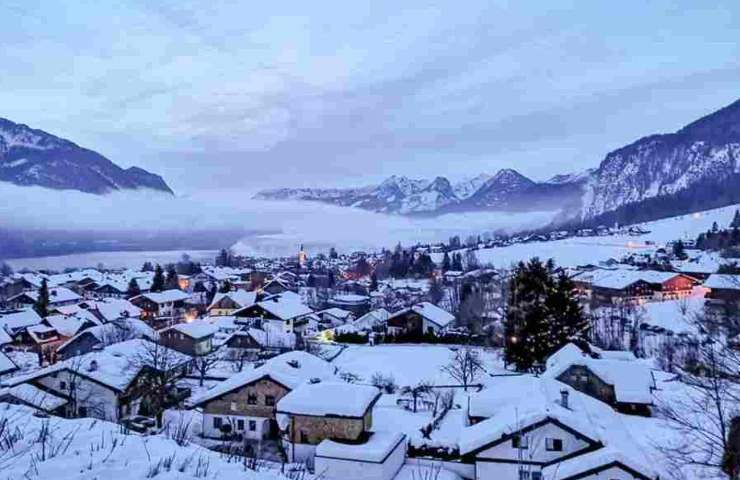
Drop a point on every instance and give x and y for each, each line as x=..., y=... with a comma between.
x=410, y=363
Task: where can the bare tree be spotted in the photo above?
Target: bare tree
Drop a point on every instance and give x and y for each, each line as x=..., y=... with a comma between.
x=203, y=364
x=160, y=369
x=703, y=412
x=465, y=366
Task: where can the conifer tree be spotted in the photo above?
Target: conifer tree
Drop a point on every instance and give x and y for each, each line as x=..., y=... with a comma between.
x=446, y=262
x=171, y=282
x=158, y=280
x=543, y=314
x=42, y=302
x=133, y=288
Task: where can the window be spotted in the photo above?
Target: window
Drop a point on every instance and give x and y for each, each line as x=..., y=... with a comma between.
x=251, y=399
x=520, y=442
x=523, y=475
x=252, y=425
x=269, y=400
x=233, y=406
x=554, y=444
x=82, y=411
x=304, y=437
x=62, y=385
x=240, y=424
x=217, y=422
x=536, y=476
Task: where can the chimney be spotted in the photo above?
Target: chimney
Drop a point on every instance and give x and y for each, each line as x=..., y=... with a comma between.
x=564, y=398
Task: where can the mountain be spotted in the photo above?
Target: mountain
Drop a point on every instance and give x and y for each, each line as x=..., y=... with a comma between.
x=507, y=190
x=695, y=168
x=34, y=157
x=466, y=187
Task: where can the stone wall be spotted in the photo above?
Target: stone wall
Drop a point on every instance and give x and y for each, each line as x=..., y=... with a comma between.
x=261, y=388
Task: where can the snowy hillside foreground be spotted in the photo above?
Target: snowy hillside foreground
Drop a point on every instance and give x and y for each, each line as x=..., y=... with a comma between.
x=575, y=251
x=44, y=448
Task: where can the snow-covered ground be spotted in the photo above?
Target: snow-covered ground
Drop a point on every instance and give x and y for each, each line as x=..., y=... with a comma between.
x=576, y=251
x=62, y=449
x=408, y=364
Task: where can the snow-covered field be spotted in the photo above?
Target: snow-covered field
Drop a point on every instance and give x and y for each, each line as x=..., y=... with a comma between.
x=408, y=364
x=61, y=449
x=584, y=250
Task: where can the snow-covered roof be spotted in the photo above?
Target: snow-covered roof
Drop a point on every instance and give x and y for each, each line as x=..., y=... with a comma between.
x=337, y=312
x=574, y=467
x=240, y=297
x=723, y=281
x=19, y=320
x=34, y=396
x=115, y=366
x=622, y=278
x=285, y=306
x=434, y=314
x=268, y=336
x=375, y=449
x=167, y=296
x=7, y=365
x=118, y=330
x=197, y=329
x=632, y=380
x=289, y=369
x=329, y=398
x=526, y=400
x=372, y=318
x=349, y=298
x=114, y=308
x=66, y=325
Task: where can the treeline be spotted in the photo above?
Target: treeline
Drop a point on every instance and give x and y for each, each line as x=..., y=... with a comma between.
x=724, y=240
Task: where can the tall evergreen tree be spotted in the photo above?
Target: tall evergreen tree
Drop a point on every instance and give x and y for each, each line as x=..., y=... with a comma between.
x=158, y=280
x=542, y=315
x=42, y=302
x=736, y=220
x=171, y=282
x=147, y=267
x=446, y=262
x=133, y=288
x=373, y=282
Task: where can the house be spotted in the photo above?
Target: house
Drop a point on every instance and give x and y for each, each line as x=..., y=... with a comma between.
x=616, y=378
x=227, y=303
x=373, y=319
x=252, y=342
x=109, y=384
x=194, y=338
x=317, y=411
x=379, y=457
x=161, y=309
x=333, y=317
x=15, y=322
x=111, y=289
x=422, y=318
x=58, y=296
x=723, y=297
x=34, y=397
x=112, y=309
x=549, y=431
x=245, y=403
x=100, y=336
x=281, y=311
x=357, y=304
x=633, y=286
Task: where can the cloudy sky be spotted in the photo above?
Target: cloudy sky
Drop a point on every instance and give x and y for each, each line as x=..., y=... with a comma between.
x=235, y=94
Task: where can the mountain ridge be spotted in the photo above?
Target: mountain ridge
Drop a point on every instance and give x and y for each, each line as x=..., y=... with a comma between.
x=33, y=157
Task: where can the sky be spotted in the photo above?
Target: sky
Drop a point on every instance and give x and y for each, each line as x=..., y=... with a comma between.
x=234, y=95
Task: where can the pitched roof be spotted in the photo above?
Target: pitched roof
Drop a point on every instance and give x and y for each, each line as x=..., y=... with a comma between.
x=289, y=369
x=633, y=381
x=331, y=398
x=196, y=329
x=166, y=296
x=723, y=281
x=115, y=366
